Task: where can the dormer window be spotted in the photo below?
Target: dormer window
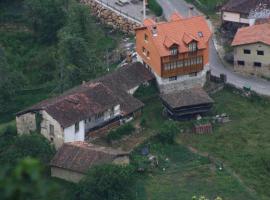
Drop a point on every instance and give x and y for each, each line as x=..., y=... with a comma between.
x=154, y=30
x=192, y=46
x=200, y=34
x=174, y=51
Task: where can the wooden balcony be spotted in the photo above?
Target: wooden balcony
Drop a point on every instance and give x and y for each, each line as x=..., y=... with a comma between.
x=181, y=56
x=181, y=70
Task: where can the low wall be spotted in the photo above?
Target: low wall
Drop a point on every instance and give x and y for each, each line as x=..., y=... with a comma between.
x=112, y=17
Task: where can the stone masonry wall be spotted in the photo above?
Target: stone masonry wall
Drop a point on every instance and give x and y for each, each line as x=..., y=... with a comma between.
x=111, y=18
x=26, y=123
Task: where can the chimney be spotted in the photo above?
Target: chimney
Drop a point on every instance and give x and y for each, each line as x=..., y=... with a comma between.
x=190, y=11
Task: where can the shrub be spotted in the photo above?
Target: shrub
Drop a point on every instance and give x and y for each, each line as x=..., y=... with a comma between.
x=33, y=145
x=155, y=7
x=117, y=134
x=167, y=133
x=107, y=182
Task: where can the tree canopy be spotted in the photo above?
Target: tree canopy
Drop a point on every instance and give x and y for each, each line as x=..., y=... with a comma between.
x=107, y=182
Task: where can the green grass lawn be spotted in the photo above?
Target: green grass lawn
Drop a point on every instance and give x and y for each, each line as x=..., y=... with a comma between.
x=185, y=175
x=244, y=143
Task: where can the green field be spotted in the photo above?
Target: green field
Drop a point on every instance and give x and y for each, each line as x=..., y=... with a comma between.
x=188, y=174
x=185, y=175
x=244, y=143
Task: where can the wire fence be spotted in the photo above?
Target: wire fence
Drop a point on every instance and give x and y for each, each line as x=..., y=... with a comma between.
x=119, y=11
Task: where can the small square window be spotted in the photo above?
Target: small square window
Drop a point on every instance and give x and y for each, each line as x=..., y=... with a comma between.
x=260, y=53
x=257, y=64
x=240, y=62
x=247, y=51
x=200, y=34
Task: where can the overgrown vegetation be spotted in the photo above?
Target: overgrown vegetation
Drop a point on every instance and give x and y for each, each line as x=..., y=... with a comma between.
x=209, y=7
x=13, y=148
x=46, y=47
x=107, y=182
x=155, y=7
x=118, y=133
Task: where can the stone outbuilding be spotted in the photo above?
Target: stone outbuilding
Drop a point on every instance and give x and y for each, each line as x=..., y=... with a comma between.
x=73, y=160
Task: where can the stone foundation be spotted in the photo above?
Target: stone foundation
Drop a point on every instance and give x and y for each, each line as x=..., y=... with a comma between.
x=111, y=17
x=182, y=82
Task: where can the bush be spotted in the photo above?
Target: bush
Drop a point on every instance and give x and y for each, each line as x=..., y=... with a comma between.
x=167, y=133
x=33, y=145
x=107, y=182
x=117, y=134
x=155, y=7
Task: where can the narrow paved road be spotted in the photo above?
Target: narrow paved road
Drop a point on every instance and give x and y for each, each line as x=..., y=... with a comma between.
x=258, y=85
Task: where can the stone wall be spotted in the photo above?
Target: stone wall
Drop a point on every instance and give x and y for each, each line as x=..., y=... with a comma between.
x=26, y=123
x=58, y=137
x=66, y=174
x=111, y=18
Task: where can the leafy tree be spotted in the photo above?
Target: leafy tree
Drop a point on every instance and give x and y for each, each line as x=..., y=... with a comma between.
x=167, y=133
x=33, y=145
x=77, y=47
x=45, y=18
x=107, y=182
x=9, y=84
x=25, y=181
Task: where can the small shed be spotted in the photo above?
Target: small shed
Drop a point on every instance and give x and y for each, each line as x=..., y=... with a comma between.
x=187, y=103
x=73, y=160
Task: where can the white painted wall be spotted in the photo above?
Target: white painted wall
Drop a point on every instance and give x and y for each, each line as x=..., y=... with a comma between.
x=71, y=136
x=108, y=115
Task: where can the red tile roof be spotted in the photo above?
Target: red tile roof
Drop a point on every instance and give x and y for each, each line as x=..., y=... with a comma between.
x=180, y=31
x=252, y=34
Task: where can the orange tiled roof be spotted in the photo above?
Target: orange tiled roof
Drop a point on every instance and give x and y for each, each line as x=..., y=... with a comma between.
x=176, y=16
x=252, y=34
x=180, y=31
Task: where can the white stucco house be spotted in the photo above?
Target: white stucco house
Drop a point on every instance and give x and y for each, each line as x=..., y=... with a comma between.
x=84, y=110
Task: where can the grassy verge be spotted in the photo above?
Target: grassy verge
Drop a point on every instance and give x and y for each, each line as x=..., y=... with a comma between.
x=244, y=142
